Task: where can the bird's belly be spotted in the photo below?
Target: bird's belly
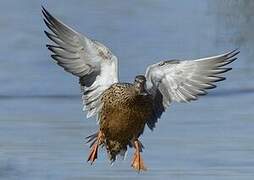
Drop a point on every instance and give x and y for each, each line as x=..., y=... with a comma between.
x=125, y=121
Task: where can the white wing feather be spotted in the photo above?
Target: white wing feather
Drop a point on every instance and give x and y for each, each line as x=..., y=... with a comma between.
x=87, y=59
x=183, y=81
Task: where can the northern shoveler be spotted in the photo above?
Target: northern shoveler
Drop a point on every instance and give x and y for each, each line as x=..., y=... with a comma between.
x=123, y=108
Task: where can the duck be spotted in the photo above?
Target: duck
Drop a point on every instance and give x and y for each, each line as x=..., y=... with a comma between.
x=123, y=109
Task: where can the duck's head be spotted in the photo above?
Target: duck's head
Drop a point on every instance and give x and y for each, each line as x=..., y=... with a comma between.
x=139, y=84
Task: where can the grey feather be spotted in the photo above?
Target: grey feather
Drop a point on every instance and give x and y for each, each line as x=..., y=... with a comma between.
x=184, y=81
x=91, y=61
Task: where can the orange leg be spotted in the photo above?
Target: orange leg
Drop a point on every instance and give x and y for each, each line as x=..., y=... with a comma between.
x=94, y=149
x=137, y=161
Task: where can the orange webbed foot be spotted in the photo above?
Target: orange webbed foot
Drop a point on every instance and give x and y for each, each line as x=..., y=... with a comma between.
x=94, y=148
x=137, y=162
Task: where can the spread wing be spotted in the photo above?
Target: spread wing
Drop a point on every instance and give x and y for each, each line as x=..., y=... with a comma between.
x=184, y=81
x=87, y=59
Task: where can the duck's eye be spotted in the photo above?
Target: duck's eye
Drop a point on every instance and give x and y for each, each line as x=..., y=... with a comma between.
x=162, y=63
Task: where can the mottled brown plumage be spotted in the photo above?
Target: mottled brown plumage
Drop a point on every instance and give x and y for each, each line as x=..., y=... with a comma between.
x=125, y=111
x=123, y=116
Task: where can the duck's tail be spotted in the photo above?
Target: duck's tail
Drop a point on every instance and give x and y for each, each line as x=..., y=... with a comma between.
x=115, y=148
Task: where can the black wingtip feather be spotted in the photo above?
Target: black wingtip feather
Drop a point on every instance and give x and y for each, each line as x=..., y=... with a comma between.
x=48, y=25
x=54, y=57
x=219, y=79
x=232, y=60
x=50, y=19
x=232, y=54
x=203, y=93
x=42, y=7
x=52, y=49
x=228, y=69
x=225, y=70
x=237, y=51
x=49, y=35
x=228, y=62
x=211, y=86
x=45, y=12
x=53, y=46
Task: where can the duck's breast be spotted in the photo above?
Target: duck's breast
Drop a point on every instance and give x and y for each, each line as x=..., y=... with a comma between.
x=124, y=113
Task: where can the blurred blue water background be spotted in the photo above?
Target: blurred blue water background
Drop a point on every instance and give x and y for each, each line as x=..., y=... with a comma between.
x=42, y=128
